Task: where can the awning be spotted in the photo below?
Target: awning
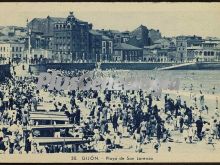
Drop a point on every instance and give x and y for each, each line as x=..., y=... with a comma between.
x=48, y=116
x=56, y=141
x=52, y=126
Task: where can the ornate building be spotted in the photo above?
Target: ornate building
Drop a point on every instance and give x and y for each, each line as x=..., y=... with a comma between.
x=71, y=40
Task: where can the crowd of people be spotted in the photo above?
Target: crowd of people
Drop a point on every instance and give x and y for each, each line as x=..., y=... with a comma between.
x=107, y=119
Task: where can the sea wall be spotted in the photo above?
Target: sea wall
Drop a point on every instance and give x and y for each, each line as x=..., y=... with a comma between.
x=4, y=71
x=104, y=66
x=122, y=66
x=64, y=66
x=134, y=66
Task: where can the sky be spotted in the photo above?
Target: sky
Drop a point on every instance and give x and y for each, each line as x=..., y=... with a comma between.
x=171, y=19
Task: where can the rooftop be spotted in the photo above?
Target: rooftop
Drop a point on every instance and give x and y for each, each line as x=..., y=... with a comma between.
x=105, y=37
x=124, y=46
x=14, y=39
x=94, y=32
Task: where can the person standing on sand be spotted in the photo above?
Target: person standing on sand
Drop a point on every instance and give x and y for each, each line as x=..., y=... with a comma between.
x=199, y=125
x=213, y=90
x=115, y=121
x=202, y=101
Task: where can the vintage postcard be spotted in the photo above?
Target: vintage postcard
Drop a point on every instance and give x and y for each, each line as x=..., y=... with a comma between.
x=109, y=82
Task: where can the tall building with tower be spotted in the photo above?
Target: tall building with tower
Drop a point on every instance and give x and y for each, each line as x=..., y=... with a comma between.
x=71, y=40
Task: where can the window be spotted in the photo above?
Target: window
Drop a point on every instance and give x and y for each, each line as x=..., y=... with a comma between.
x=16, y=49
x=110, y=44
x=103, y=50
x=110, y=50
x=68, y=26
x=13, y=49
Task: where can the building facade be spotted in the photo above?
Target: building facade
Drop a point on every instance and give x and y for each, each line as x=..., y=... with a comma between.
x=185, y=42
x=107, y=48
x=163, y=50
x=125, y=52
x=100, y=46
x=71, y=40
x=208, y=52
x=95, y=46
x=39, y=56
x=42, y=31
x=11, y=51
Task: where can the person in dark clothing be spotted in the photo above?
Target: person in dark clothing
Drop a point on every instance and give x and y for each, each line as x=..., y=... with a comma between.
x=77, y=117
x=150, y=101
x=159, y=132
x=2, y=145
x=73, y=101
x=177, y=108
x=115, y=122
x=11, y=102
x=181, y=121
x=72, y=116
x=190, y=117
x=99, y=101
x=199, y=125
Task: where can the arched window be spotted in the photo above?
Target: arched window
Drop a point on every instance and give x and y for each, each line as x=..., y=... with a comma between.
x=68, y=26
